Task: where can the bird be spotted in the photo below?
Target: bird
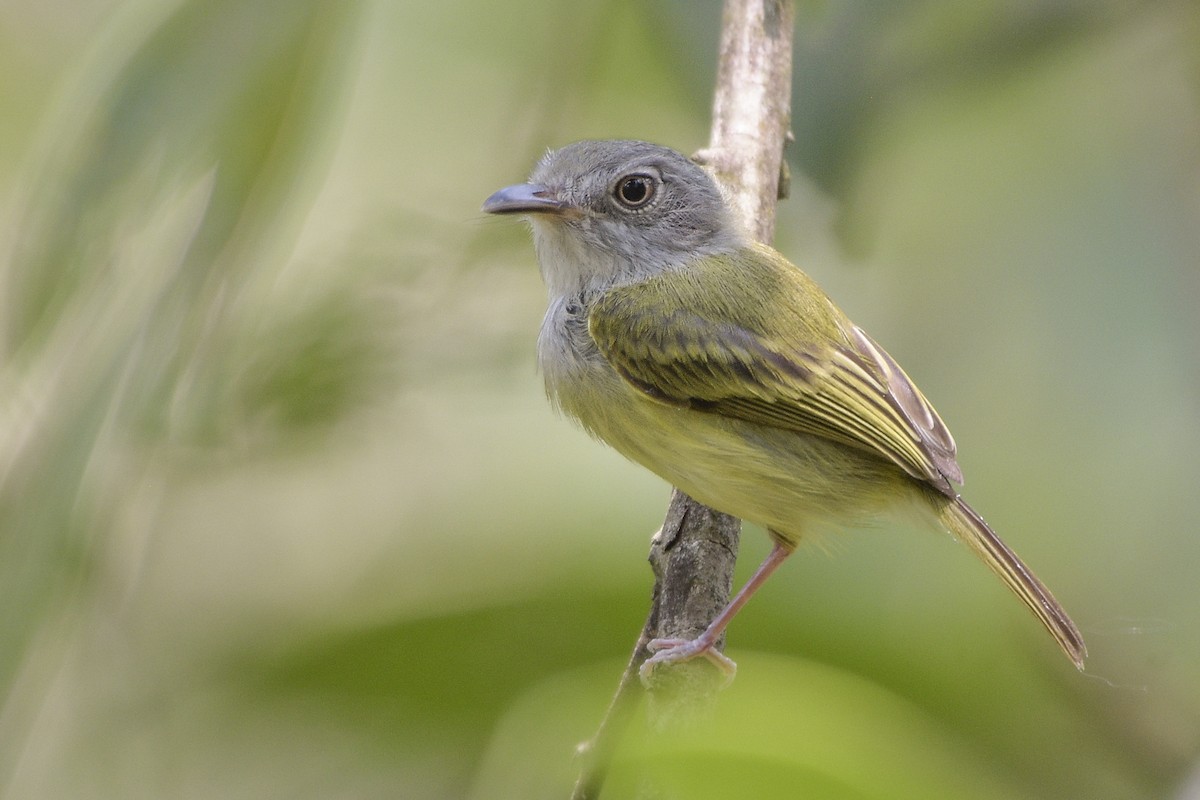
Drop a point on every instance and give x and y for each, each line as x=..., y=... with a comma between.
x=716, y=363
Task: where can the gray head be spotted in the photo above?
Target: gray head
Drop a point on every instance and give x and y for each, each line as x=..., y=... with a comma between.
x=606, y=211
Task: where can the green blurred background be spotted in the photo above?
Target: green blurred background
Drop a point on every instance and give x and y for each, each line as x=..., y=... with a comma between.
x=283, y=512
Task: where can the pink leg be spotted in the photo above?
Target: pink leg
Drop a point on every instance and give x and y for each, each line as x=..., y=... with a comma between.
x=671, y=651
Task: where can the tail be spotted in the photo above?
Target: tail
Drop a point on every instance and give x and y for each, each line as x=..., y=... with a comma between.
x=968, y=526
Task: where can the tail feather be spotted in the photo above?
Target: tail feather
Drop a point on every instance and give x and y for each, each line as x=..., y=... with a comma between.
x=967, y=525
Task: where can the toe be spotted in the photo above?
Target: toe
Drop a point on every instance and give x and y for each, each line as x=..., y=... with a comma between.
x=673, y=651
x=664, y=645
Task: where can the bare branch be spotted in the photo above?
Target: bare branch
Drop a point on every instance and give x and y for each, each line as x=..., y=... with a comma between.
x=752, y=108
x=694, y=553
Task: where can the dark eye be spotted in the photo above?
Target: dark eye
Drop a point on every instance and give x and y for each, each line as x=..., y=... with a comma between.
x=635, y=191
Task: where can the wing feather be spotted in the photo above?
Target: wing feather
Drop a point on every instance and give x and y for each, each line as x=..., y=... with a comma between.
x=793, y=364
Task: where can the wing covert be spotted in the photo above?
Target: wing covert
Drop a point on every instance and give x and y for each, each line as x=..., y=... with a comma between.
x=670, y=341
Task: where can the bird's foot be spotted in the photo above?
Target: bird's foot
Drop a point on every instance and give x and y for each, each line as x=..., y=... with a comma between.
x=675, y=651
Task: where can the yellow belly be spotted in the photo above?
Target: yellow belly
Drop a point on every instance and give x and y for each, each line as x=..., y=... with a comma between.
x=790, y=483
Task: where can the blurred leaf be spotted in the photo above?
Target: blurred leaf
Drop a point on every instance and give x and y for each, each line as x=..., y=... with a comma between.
x=786, y=728
x=158, y=199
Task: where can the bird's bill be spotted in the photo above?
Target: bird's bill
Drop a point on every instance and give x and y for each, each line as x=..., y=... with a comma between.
x=524, y=198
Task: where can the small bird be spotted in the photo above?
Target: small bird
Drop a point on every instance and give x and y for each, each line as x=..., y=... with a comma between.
x=716, y=363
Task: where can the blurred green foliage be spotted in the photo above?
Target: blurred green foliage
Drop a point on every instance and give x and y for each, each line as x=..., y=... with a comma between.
x=282, y=512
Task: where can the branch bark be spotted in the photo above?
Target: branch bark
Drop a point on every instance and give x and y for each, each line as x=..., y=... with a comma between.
x=752, y=109
x=694, y=553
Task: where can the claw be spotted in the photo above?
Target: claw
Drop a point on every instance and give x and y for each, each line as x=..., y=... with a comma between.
x=672, y=651
x=675, y=651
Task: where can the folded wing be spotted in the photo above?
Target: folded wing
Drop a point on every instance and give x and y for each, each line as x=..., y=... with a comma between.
x=790, y=363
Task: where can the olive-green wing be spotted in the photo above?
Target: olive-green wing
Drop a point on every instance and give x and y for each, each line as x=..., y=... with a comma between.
x=821, y=377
